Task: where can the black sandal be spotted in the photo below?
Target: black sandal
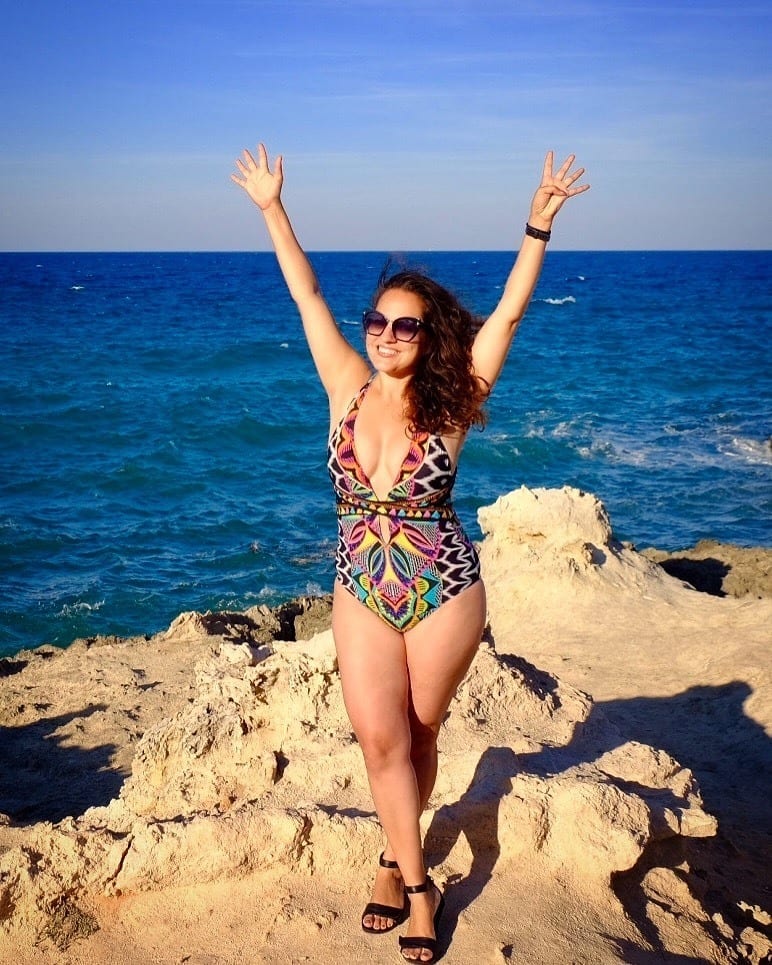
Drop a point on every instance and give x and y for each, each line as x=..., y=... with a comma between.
x=385, y=911
x=430, y=944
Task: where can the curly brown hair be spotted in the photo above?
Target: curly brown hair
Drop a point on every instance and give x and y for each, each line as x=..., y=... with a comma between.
x=444, y=393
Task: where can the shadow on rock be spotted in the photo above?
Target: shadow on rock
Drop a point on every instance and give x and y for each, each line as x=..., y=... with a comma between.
x=715, y=881
x=43, y=778
x=707, y=730
x=706, y=575
x=475, y=816
x=632, y=954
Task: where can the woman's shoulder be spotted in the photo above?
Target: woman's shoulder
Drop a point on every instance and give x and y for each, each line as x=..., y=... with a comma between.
x=452, y=441
x=345, y=391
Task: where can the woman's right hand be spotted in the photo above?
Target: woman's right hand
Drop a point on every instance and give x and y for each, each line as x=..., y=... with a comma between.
x=256, y=179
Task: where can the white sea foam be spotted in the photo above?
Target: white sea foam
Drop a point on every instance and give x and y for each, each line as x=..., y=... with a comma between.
x=696, y=447
x=753, y=450
x=564, y=429
x=568, y=300
x=630, y=454
x=72, y=609
x=77, y=288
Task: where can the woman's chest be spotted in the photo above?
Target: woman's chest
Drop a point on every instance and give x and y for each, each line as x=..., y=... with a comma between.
x=385, y=448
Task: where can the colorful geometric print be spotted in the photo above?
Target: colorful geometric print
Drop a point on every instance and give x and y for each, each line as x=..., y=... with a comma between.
x=404, y=556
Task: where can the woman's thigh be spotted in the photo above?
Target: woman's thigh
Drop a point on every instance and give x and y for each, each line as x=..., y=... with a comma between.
x=440, y=650
x=373, y=672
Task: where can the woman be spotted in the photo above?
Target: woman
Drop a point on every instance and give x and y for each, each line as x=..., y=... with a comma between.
x=408, y=603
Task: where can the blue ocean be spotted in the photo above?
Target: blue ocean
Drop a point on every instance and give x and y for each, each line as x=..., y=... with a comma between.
x=163, y=434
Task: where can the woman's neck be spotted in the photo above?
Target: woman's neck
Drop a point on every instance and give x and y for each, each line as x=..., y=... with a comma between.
x=392, y=390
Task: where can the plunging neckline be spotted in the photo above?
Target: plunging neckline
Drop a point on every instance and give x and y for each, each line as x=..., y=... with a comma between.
x=419, y=439
x=422, y=447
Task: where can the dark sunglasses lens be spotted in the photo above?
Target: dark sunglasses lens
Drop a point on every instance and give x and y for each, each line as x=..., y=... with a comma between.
x=374, y=323
x=405, y=329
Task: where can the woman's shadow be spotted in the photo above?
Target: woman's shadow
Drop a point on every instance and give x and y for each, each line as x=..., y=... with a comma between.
x=475, y=815
x=707, y=730
x=44, y=777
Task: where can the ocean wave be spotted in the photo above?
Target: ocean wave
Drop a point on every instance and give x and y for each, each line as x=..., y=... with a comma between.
x=757, y=451
x=695, y=448
x=73, y=609
x=568, y=300
x=565, y=429
x=615, y=452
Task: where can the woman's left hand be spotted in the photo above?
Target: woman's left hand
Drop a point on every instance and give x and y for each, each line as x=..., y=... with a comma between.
x=554, y=191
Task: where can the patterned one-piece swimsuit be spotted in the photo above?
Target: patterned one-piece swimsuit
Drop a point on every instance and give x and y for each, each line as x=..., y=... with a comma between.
x=406, y=569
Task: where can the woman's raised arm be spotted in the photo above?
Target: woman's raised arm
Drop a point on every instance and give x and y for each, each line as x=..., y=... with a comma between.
x=492, y=342
x=339, y=365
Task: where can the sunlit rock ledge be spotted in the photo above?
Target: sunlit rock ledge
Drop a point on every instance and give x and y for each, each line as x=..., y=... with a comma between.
x=220, y=750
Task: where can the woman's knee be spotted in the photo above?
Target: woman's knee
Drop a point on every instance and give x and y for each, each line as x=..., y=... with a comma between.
x=423, y=736
x=383, y=749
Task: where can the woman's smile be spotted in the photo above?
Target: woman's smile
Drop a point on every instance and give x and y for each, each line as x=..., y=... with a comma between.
x=396, y=303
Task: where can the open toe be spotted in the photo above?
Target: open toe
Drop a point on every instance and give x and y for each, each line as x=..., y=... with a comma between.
x=374, y=909
x=419, y=942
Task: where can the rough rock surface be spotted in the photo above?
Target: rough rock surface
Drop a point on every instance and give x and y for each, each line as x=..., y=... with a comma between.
x=680, y=670
x=218, y=770
x=717, y=568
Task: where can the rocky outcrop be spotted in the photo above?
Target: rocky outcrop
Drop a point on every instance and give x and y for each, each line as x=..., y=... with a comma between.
x=256, y=768
x=719, y=569
x=260, y=769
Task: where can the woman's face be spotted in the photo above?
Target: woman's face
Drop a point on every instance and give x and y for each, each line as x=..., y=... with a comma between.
x=387, y=353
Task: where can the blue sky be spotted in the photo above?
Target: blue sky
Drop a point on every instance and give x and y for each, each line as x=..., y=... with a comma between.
x=408, y=125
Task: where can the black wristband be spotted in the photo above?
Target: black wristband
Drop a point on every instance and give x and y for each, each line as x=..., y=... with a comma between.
x=537, y=233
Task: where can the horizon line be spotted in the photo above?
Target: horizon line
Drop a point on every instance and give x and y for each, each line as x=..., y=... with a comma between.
x=380, y=251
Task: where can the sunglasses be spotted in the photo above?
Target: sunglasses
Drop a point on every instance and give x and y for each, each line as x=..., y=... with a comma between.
x=403, y=329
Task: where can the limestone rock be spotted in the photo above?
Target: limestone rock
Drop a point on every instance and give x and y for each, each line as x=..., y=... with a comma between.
x=257, y=769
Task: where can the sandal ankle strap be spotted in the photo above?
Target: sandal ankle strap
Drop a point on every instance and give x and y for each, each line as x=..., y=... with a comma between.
x=419, y=889
x=385, y=863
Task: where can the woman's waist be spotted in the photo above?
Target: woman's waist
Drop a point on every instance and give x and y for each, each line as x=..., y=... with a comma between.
x=349, y=505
